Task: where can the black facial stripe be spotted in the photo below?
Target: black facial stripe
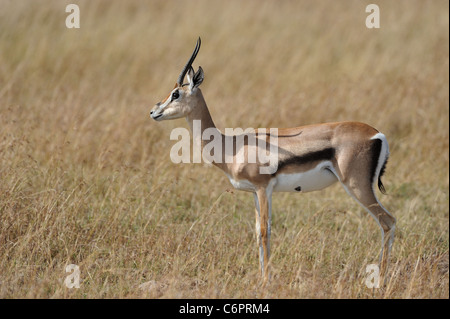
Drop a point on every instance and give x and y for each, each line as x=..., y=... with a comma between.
x=322, y=155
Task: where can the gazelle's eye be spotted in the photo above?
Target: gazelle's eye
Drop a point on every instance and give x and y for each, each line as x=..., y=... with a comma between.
x=175, y=95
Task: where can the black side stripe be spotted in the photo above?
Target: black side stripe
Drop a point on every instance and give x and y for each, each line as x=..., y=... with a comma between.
x=322, y=155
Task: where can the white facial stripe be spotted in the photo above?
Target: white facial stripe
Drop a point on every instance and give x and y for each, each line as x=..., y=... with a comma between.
x=168, y=100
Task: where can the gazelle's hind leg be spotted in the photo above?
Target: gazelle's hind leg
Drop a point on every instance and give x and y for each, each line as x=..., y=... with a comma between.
x=358, y=175
x=365, y=196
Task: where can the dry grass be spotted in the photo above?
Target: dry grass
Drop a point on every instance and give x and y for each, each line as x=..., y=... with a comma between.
x=85, y=175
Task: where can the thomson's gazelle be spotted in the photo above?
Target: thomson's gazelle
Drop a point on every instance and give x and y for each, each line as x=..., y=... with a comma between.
x=310, y=158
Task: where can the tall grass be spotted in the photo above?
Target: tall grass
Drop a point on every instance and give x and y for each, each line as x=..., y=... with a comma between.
x=86, y=178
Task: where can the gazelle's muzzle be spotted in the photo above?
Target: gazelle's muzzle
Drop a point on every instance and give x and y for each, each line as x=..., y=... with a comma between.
x=156, y=113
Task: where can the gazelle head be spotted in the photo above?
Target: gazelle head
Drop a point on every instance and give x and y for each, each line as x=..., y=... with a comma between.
x=181, y=100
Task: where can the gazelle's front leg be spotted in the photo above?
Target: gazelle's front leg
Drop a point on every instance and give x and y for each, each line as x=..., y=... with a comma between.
x=263, y=203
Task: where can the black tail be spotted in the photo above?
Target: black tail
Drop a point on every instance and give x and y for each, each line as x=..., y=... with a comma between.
x=376, y=150
x=380, y=183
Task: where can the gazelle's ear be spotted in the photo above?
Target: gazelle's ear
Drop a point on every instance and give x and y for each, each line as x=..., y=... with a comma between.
x=195, y=79
x=198, y=77
x=190, y=76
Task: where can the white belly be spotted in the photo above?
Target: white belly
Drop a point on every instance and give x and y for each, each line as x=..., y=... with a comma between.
x=317, y=178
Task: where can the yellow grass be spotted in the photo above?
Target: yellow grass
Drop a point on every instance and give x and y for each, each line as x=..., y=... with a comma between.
x=86, y=178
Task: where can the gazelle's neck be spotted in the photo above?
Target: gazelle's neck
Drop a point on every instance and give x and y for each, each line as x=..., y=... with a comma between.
x=201, y=115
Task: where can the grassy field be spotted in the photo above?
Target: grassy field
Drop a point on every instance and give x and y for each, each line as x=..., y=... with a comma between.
x=86, y=177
